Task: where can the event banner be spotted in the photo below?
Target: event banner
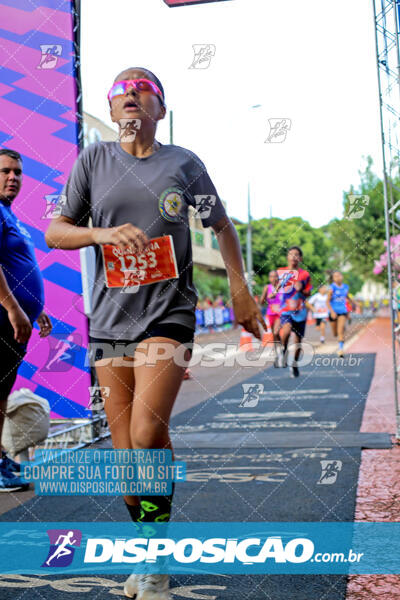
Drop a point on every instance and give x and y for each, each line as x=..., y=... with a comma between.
x=38, y=107
x=36, y=548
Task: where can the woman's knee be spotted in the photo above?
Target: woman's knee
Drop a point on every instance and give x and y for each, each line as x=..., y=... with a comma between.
x=285, y=331
x=149, y=433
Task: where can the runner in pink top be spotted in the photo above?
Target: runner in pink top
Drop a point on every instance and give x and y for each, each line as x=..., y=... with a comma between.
x=273, y=299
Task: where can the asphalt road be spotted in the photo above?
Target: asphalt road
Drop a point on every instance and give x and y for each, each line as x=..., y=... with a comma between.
x=214, y=378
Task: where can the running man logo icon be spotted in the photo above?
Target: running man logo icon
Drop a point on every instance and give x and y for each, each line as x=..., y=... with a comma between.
x=54, y=204
x=278, y=129
x=132, y=279
x=251, y=394
x=204, y=204
x=357, y=206
x=330, y=471
x=62, y=351
x=62, y=547
x=287, y=278
x=50, y=54
x=98, y=394
x=203, y=54
x=128, y=129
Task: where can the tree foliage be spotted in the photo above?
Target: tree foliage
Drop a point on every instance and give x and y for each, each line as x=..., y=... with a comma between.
x=358, y=242
x=210, y=286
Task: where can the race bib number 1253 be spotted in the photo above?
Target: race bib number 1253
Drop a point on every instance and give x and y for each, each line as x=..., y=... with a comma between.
x=124, y=268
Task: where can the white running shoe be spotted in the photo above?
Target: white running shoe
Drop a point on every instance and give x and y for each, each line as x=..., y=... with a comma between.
x=153, y=587
x=131, y=586
x=280, y=361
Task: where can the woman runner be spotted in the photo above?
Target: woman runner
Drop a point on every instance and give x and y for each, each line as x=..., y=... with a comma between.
x=338, y=294
x=135, y=190
x=273, y=298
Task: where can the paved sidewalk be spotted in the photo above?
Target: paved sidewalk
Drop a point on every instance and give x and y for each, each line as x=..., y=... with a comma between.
x=378, y=494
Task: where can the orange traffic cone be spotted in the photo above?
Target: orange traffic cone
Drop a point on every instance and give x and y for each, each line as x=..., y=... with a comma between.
x=268, y=336
x=310, y=320
x=246, y=341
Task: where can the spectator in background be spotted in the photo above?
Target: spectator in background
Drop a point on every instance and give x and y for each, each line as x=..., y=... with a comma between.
x=230, y=310
x=21, y=299
x=208, y=314
x=219, y=301
x=218, y=313
x=199, y=317
x=317, y=304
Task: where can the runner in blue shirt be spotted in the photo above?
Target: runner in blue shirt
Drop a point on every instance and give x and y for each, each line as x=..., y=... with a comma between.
x=338, y=293
x=21, y=298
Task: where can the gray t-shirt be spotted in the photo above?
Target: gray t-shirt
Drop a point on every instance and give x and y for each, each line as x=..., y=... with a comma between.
x=114, y=187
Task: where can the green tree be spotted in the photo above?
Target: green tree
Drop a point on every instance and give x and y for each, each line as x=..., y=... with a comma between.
x=354, y=281
x=358, y=242
x=209, y=285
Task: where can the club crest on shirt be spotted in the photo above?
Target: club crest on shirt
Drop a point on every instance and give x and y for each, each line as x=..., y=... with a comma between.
x=170, y=204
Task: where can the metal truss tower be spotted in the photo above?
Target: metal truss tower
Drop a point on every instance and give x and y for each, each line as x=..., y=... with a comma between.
x=387, y=18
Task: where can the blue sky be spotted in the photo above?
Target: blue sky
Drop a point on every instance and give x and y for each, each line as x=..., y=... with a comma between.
x=312, y=62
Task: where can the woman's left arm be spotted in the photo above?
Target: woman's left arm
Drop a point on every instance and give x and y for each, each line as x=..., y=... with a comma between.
x=247, y=313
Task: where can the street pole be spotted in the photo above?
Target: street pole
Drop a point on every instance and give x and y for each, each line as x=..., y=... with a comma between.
x=249, y=251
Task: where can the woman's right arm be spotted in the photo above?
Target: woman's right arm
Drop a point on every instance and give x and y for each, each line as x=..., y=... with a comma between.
x=69, y=231
x=64, y=234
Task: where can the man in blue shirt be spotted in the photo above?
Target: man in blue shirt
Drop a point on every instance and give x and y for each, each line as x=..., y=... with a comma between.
x=21, y=299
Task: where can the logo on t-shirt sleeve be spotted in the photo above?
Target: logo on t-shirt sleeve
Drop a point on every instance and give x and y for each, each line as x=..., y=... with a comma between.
x=170, y=204
x=204, y=204
x=287, y=279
